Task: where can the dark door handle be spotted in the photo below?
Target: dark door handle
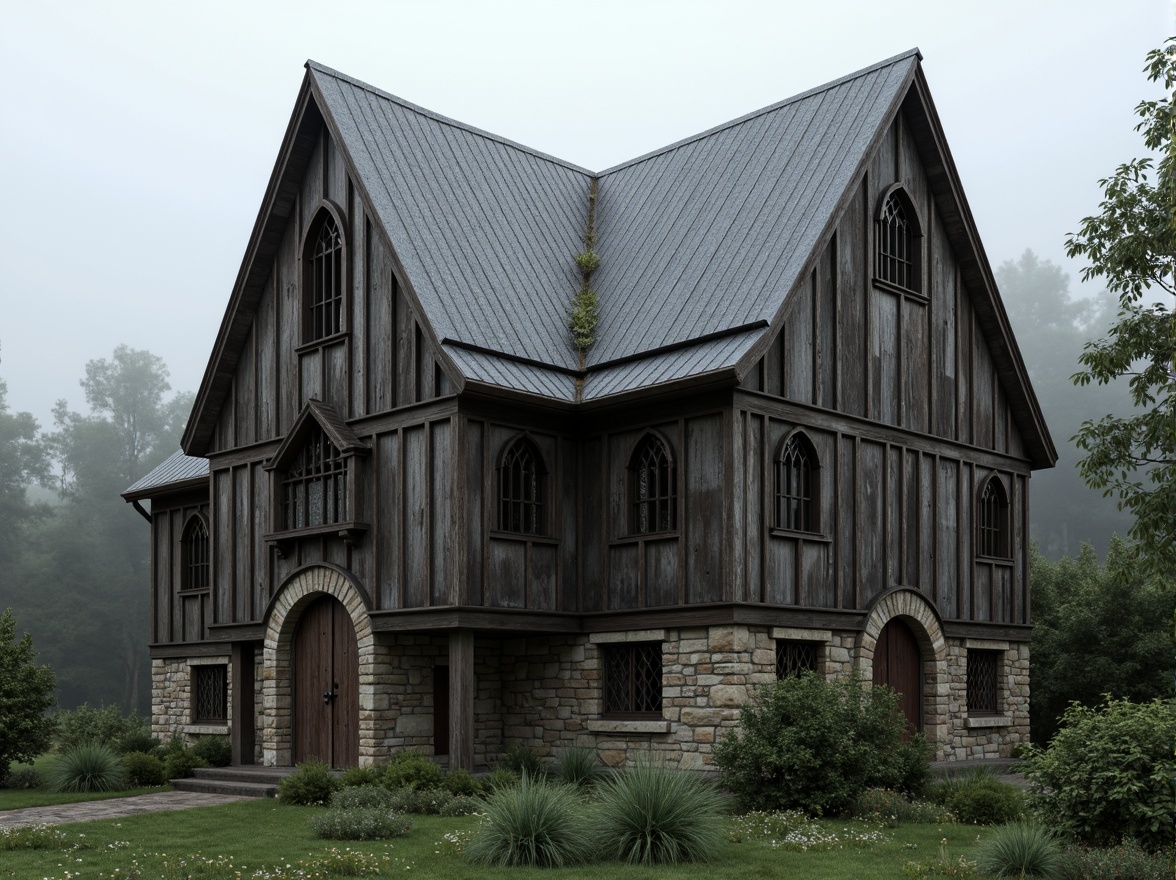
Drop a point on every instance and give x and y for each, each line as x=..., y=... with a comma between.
x=331, y=694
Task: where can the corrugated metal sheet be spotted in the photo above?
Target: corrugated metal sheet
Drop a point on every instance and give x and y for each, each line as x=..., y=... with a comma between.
x=176, y=468
x=486, y=229
x=695, y=239
x=711, y=233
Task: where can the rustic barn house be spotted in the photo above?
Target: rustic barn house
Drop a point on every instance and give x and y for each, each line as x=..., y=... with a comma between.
x=410, y=512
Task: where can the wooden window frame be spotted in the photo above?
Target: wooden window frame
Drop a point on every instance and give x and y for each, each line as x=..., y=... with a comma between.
x=195, y=555
x=983, y=682
x=522, y=489
x=796, y=656
x=993, y=520
x=898, y=244
x=631, y=679
x=797, y=486
x=324, y=278
x=653, y=487
x=318, y=464
x=206, y=692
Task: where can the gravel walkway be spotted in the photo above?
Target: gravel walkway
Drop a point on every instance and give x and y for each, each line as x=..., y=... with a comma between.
x=113, y=808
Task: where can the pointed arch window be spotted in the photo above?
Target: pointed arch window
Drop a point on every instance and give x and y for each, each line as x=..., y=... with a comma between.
x=797, y=485
x=323, y=281
x=653, y=488
x=522, y=489
x=899, y=242
x=195, y=551
x=314, y=487
x=992, y=518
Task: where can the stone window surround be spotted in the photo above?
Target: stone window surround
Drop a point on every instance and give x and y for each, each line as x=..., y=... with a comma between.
x=1002, y=647
x=625, y=726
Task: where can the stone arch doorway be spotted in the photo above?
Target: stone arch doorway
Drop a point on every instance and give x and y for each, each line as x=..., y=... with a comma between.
x=898, y=664
x=326, y=685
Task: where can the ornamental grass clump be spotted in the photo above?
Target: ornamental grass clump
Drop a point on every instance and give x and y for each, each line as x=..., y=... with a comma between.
x=652, y=815
x=578, y=767
x=1020, y=850
x=532, y=824
x=88, y=767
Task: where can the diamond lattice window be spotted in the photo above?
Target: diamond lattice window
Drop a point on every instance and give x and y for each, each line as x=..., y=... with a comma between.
x=633, y=680
x=210, y=693
x=982, y=682
x=795, y=657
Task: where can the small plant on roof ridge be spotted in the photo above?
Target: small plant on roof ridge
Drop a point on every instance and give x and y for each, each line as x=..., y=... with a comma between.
x=585, y=314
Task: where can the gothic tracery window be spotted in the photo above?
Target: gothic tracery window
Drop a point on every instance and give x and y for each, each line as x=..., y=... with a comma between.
x=522, y=490
x=796, y=486
x=324, y=283
x=653, y=488
x=898, y=243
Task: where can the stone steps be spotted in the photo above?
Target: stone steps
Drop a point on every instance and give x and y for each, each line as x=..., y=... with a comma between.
x=248, y=780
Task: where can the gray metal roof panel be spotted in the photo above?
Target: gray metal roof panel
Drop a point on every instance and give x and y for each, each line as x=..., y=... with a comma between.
x=706, y=357
x=176, y=468
x=507, y=373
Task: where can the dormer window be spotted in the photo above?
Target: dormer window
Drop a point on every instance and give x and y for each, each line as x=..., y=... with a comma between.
x=992, y=519
x=653, y=487
x=317, y=489
x=899, y=242
x=323, y=280
x=522, y=490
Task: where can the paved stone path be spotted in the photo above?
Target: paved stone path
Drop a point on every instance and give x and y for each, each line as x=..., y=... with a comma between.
x=113, y=808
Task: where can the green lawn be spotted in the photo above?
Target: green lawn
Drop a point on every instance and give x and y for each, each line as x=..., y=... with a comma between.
x=265, y=834
x=15, y=798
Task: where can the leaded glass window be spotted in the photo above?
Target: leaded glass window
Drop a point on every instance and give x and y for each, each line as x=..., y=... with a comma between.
x=654, y=489
x=324, y=280
x=983, y=667
x=210, y=693
x=898, y=242
x=632, y=679
x=314, y=489
x=796, y=486
x=196, y=564
x=794, y=657
x=992, y=516
x=522, y=490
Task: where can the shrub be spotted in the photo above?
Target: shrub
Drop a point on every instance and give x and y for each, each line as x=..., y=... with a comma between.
x=412, y=770
x=461, y=783
x=815, y=745
x=1128, y=861
x=216, y=751
x=653, y=815
x=179, y=761
x=143, y=769
x=532, y=824
x=360, y=823
x=521, y=760
x=41, y=836
x=24, y=778
x=577, y=766
x=1106, y=774
x=362, y=796
x=27, y=693
x=461, y=805
x=106, y=726
x=312, y=783
x=138, y=741
x=995, y=804
x=425, y=801
x=89, y=767
x=892, y=808
x=353, y=776
x=500, y=778
x=1020, y=850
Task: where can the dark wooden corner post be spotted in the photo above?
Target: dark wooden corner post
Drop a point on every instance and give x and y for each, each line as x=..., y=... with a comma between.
x=244, y=714
x=461, y=699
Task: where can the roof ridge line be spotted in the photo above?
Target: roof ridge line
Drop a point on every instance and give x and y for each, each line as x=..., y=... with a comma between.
x=771, y=108
x=311, y=64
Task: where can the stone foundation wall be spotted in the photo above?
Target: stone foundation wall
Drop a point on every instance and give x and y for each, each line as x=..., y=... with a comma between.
x=171, y=698
x=975, y=738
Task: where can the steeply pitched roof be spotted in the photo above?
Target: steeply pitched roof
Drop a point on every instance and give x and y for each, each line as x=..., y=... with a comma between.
x=700, y=242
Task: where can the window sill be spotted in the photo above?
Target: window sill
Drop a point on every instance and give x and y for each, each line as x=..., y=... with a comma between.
x=193, y=591
x=321, y=343
x=645, y=536
x=618, y=725
x=522, y=537
x=350, y=531
x=995, y=560
x=815, y=537
x=206, y=728
x=891, y=287
x=988, y=721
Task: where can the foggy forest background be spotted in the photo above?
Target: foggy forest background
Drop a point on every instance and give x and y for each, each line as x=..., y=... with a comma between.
x=74, y=558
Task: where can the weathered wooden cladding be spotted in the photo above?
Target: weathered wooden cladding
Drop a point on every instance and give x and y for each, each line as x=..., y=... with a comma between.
x=177, y=614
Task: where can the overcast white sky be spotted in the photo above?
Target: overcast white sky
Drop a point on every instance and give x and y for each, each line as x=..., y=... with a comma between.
x=138, y=137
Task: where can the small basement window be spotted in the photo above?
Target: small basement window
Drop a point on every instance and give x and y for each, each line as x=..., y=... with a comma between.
x=983, y=669
x=210, y=694
x=632, y=680
x=794, y=657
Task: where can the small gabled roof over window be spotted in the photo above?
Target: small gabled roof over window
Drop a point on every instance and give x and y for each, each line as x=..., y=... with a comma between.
x=345, y=440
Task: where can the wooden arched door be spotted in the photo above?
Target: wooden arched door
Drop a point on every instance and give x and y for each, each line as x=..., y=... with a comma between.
x=898, y=663
x=326, y=685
